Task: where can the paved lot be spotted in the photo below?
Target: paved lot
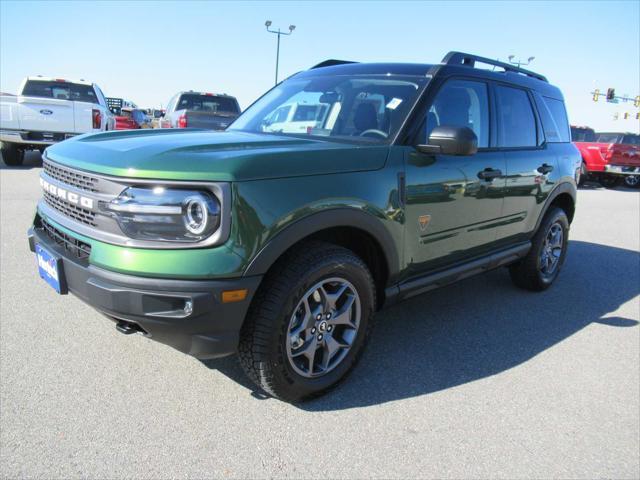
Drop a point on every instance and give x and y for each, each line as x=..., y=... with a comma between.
x=475, y=380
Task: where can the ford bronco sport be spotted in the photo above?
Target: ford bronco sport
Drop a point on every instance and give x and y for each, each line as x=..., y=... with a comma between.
x=281, y=246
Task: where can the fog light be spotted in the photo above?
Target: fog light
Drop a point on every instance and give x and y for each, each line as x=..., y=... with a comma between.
x=188, y=307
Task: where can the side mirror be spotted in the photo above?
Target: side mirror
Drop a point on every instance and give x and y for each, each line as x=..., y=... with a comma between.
x=449, y=140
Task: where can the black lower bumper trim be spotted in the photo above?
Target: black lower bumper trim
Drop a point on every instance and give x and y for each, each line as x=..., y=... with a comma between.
x=185, y=314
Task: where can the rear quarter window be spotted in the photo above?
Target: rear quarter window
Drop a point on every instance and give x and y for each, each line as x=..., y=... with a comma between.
x=554, y=119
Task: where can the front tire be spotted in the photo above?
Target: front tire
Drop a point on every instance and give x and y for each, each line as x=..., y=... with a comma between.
x=12, y=155
x=541, y=266
x=309, y=322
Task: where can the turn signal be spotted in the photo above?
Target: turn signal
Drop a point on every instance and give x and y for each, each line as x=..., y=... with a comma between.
x=234, y=295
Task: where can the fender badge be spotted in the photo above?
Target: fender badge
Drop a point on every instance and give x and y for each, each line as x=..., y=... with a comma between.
x=423, y=222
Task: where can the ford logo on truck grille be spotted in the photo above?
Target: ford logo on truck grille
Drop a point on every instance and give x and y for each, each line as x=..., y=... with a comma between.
x=46, y=112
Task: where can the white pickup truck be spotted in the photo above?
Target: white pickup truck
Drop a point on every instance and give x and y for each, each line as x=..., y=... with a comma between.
x=49, y=110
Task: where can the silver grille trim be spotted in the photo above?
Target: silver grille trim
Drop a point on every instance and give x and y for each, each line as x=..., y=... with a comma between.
x=91, y=220
x=69, y=177
x=78, y=214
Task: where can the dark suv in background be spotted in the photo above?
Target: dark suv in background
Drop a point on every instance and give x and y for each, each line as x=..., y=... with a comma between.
x=281, y=246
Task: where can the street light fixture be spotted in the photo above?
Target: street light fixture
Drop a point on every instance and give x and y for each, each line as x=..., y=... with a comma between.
x=278, y=32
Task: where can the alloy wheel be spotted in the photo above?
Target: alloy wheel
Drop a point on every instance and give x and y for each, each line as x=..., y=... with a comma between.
x=323, y=327
x=551, y=251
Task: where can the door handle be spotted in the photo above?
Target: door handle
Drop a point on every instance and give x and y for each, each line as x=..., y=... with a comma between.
x=489, y=174
x=545, y=168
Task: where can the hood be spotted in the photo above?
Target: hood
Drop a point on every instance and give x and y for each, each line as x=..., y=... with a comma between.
x=212, y=156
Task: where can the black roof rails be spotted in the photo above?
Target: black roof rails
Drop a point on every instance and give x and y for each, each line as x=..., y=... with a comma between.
x=331, y=63
x=469, y=60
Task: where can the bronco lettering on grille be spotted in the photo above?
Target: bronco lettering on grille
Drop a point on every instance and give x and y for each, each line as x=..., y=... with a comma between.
x=66, y=195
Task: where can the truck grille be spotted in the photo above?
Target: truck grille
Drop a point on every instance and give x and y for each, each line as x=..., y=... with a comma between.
x=78, y=180
x=76, y=247
x=79, y=214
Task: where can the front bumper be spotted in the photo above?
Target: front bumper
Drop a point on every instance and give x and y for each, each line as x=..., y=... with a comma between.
x=187, y=315
x=622, y=169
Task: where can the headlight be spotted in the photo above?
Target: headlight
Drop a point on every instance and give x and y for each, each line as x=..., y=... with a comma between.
x=164, y=214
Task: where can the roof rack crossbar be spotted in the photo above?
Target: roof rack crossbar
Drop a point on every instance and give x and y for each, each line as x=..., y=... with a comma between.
x=469, y=60
x=331, y=63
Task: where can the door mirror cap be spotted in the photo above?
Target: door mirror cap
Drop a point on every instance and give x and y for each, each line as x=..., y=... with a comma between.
x=449, y=140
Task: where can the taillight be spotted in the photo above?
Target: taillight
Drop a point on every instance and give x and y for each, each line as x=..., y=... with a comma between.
x=96, y=115
x=182, y=121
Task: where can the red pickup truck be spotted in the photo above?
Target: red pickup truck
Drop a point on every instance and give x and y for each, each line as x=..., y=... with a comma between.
x=608, y=158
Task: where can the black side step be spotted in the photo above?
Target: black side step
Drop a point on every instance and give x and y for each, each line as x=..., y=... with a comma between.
x=450, y=275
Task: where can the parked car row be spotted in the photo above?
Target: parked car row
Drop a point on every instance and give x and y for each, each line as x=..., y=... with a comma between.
x=48, y=110
x=608, y=158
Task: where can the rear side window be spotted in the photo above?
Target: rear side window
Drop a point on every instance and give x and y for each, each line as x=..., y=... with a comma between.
x=631, y=140
x=582, y=134
x=60, y=90
x=516, y=122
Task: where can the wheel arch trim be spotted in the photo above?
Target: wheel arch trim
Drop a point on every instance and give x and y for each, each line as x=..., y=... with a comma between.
x=563, y=188
x=316, y=223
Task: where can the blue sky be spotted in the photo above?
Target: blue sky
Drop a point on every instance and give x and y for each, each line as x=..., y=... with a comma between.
x=147, y=51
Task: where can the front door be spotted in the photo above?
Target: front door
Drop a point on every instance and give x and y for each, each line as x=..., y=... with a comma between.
x=453, y=203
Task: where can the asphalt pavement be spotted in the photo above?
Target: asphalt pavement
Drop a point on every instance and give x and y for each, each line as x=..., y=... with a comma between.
x=475, y=380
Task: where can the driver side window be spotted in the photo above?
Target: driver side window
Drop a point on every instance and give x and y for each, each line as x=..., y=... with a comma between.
x=461, y=103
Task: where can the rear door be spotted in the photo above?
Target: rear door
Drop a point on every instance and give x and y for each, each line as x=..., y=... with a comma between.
x=453, y=203
x=530, y=162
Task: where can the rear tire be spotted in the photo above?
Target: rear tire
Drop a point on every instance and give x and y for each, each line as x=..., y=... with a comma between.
x=541, y=266
x=300, y=340
x=610, y=181
x=632, y=181
x=12, y=155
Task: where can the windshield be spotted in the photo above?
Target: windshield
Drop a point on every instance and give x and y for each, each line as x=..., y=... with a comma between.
x=582, y=135
x=207, y=103
x=609, y=137
x=364, y=107
x=61, y=90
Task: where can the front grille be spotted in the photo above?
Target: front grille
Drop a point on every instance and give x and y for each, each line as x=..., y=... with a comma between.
x=79, y=214
x=78, y=180
x=72, y=245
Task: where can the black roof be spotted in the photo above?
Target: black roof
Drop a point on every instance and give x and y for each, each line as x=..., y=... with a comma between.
x=354, y=68
x=454, y=63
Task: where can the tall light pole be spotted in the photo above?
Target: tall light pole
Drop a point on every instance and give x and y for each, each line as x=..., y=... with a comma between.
x=519, y=62
x=278, y=32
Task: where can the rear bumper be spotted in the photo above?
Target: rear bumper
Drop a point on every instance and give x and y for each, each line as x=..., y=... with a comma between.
x=187, y=315
x=622, y=169
x=33, y=138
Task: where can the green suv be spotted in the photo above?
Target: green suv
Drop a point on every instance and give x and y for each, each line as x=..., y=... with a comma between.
x=279, y=238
